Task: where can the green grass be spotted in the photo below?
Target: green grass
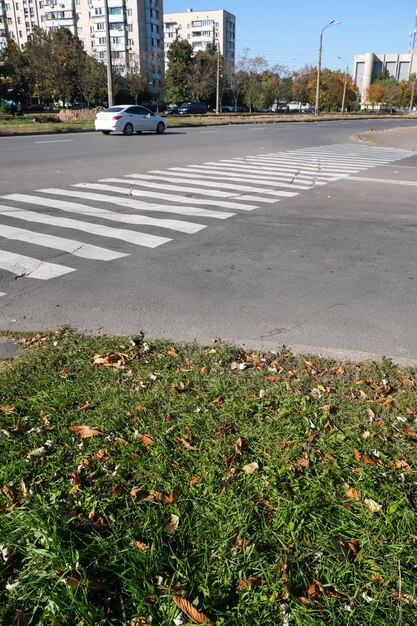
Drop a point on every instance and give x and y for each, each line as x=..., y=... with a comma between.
x=28, y=124
x=248, y=547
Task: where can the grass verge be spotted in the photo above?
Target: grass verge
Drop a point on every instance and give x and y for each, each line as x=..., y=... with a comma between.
x=142, y=480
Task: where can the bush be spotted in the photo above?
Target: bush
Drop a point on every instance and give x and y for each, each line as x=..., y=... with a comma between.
x=5, y=109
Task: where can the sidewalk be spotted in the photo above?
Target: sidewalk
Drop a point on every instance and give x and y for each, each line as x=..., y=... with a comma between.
x=401, y=138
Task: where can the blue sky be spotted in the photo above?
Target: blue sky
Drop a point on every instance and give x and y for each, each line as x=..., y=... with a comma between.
x=288, y=31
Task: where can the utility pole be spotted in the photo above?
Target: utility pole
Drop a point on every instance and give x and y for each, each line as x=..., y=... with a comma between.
x=108, y=51
x=413, y=87
x=218, y=81
x=317, y=107
x=344, y=84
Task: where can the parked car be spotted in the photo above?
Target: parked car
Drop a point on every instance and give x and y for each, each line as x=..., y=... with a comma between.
x=192, y=107
x=129, y=119
x=172, y=109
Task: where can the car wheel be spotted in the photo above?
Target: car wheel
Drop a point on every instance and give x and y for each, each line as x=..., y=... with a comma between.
x=105, y=132
x=160, y=128
x=128, y=129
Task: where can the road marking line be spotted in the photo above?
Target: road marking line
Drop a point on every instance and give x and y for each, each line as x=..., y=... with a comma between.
x=139, y=205
x=207, y=183
x=130, y=236
x=168, y=197
x=54, y=141
x=2, y=293
x=77, y=248
x=384, y=181
x=81, y=209
x=31, y=268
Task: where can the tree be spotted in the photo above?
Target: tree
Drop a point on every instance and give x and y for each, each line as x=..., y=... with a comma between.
x=136, y=79
x=304, y=84
x=180, y=58
x=14, y=84
x=38, y=53
x=66, y=64
x=93, y=81
x=250, y=70
x=157, y=71
x=374, y=94
x=203, y=75
x=55, y=61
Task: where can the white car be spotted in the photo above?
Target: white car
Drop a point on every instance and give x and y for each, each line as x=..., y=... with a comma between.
x=129, y=119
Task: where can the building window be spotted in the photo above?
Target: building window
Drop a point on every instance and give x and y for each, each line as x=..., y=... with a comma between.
x=98, y=11
x=130, y=28
x=129, y=12
x=100, y=26
x=115, y=10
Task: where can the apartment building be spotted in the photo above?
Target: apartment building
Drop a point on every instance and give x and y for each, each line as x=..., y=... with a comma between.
x=201, y=28
x=367, y=66
x=136, y=26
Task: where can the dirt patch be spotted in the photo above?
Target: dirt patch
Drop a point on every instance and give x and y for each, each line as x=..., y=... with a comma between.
x=404, y=138
x=66, y=115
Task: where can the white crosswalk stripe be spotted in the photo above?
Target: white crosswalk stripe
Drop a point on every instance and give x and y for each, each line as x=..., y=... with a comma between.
x=279, y=180
x=32, y=268
x=216, y=190
x=81, y=209
x=165, y=196
x=137, y=204
x=77, y=248
x=206, y=183
x=130, y=236
x=215, y=193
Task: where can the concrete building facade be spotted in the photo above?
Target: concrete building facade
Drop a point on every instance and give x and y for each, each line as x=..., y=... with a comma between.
x=136, y=26
x=367, y=66
x=201, y=28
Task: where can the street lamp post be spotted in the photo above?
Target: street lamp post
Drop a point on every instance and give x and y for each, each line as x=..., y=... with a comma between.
x=332, y=23
x=345, y=83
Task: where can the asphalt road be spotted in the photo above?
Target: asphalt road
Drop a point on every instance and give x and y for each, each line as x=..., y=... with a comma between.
x=330, y=269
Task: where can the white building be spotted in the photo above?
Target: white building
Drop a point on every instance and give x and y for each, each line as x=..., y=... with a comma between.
x=136, y=26
x=201, y=28
x=367, y=66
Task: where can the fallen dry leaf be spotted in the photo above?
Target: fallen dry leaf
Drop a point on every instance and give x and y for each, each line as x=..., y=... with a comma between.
x=190, y=611
x=217, y=401
x=149, y=495
x=172, y=352
x=143, y=547
x=147, y=440
x=315, y=591
x=251, y=581
x=353, y=494
x=372, y=506
x=250, y=468
x=7, y=409
x=183, y=442
x=195, y=481
x=85, y=431
x=21, y=619
x=172, y=524
x=410, y=433
x=364, y=458
x=85, y=406
x=139, y=621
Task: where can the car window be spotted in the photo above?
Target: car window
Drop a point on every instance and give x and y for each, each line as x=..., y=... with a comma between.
x=131, y=110
x=143, y=111
x=114, y=109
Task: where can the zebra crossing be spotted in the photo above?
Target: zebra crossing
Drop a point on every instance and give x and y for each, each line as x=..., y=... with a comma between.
x=163, y=202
